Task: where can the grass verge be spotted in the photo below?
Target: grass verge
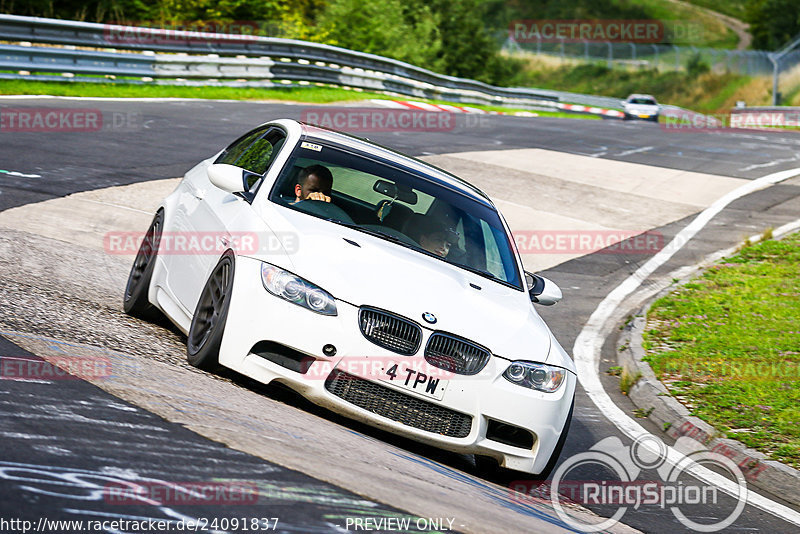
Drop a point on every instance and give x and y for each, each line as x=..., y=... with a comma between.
x=309, y=95
x=733, y=8
x=728, y=346
x=707, y=92
x=688, y=24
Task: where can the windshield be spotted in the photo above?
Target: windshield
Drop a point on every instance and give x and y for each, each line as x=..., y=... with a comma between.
x=643, y=101
x=397, y=205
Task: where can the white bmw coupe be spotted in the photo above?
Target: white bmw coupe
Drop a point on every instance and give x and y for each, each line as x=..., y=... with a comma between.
x=374, y=284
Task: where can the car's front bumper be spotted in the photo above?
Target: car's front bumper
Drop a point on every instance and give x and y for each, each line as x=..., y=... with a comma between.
x=646, y=116
x=486, y=401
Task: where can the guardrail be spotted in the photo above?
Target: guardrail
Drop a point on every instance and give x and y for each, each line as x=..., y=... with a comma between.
x=60, y=60
x=129, y=54
x=174, y=57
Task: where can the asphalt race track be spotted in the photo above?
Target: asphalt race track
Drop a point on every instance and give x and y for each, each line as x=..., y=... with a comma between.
x=157, y=422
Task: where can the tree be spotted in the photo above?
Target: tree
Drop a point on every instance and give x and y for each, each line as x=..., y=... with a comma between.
x=773, y=23
x=401, y=30
x=467, y=47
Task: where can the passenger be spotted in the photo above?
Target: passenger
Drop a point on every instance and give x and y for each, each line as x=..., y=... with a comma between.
x=438, y=239
x=315, y=182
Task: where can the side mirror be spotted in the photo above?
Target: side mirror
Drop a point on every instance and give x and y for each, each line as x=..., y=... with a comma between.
x=541, y=290
x=227, y=177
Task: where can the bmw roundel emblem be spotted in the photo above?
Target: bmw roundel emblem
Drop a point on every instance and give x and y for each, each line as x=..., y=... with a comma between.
x=429, y=317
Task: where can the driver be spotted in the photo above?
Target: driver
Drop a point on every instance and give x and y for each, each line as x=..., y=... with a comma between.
x=314, y=183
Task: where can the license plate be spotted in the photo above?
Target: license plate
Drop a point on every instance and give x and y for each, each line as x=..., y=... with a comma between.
x=406, y=377
x=644, y=116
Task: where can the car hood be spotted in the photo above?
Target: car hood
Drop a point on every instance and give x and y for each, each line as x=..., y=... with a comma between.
x=362, y=269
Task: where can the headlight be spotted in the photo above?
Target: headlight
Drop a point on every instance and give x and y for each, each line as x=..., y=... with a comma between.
x=289, y=287
x=535, y=376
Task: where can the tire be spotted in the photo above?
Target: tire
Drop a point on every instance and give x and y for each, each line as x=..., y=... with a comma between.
x=487, y=467
x=135, y=301
x=559, y=446
x=210, y=316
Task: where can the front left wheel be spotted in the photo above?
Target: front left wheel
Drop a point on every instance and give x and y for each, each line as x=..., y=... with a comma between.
x=135, y=301
x=208, y=322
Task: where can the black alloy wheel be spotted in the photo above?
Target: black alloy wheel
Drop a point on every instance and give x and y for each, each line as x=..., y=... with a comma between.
x=135, y=301
x=208, y=321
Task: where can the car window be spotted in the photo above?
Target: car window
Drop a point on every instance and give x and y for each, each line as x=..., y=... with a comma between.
x=235, y=150
x=494, y=263
x=259, y=156
x=254, y=152
x=353, y=184
x=402, y=206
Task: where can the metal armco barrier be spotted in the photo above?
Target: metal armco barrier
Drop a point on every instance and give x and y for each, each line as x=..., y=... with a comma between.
x=151, y=55
x=48, y=59
x=174, y=56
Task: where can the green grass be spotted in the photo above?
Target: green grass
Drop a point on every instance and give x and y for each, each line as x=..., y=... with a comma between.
x=707, y=31
x=707, y=92
x=627, y=380
x=310, y=94
x=728, y=345
x=726, y=91
x=732, y=8
x=113, y=90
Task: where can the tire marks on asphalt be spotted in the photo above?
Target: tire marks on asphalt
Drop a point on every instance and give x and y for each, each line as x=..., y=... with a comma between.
x=69, y=449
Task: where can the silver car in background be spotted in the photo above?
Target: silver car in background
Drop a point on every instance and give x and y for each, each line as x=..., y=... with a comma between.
x=641, y=107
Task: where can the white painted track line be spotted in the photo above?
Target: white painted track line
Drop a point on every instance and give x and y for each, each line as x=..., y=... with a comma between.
x=590, y=340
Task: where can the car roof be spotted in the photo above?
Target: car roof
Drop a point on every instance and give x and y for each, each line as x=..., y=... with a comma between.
x=359, y=144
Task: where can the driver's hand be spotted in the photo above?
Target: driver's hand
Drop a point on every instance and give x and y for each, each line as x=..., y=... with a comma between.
x=318, y=196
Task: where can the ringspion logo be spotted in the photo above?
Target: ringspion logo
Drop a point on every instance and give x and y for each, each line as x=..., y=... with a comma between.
x=641, y=476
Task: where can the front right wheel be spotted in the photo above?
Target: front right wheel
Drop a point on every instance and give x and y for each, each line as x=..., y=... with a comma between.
x=208, y=322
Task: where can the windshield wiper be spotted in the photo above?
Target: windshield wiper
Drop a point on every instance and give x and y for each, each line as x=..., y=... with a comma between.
x=370, y=231
x=485, y=274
